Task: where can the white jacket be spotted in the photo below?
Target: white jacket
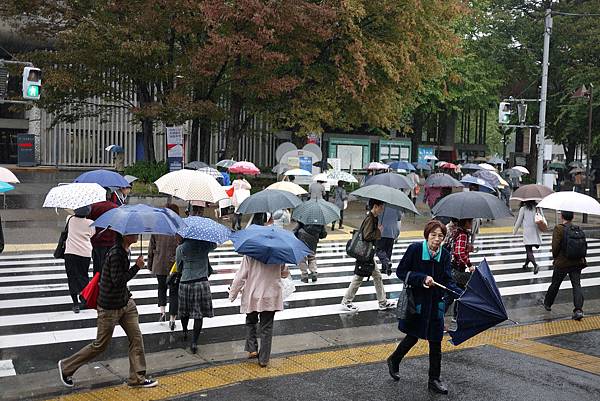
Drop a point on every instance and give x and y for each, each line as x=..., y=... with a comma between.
x=531, y=233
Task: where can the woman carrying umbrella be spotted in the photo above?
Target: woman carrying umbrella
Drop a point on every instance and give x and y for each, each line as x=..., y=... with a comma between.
x=427, y=263
x=340, y=197
x=195, y=299
x=78, y=252
x=531, y=232
x=241, y=190
x=161, y=255
x=460, y=248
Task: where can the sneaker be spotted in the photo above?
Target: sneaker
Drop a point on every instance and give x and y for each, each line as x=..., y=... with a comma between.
x=387, y=305
x=349, y=307
x=313, y=277
x=148, y=383
x=75, y=308
x=66, y=380
x=577, y=315
x=304, y=279
x=540, y=301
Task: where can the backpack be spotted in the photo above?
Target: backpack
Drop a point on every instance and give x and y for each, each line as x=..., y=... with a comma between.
x=574, y=242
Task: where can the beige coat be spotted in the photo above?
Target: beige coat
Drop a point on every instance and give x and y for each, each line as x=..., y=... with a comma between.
x=260, y=285
x=161, y=253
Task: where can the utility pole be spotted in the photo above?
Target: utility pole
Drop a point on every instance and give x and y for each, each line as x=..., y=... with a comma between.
x=544, y=96
x=588, y=151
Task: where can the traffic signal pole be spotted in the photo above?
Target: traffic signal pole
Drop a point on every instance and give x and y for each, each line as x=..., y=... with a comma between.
x=543, y=97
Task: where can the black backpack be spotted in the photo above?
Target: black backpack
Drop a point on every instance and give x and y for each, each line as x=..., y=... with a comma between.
x=574, y=242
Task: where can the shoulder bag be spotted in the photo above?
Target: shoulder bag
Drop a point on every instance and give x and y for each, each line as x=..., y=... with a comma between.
x=59, y=252
x=405, y=306
x=358, y=248
x=540, y=220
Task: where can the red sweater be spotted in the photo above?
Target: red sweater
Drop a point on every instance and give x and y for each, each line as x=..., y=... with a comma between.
x=460, y=253
x=108, y=237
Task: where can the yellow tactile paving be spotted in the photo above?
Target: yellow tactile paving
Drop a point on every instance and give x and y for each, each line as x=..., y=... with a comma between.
x=562, y=356
x=513, y=338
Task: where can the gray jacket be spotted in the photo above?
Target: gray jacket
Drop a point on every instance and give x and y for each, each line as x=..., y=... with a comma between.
x=389, y=220
x=340, y=196
x=317, y=190
x=192, y=259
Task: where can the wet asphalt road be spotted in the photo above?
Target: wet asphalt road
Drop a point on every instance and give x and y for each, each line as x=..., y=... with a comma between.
x=485, y=373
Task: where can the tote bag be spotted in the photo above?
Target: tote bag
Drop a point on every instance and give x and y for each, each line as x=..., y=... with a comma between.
x=358, y=248
x=406, y=301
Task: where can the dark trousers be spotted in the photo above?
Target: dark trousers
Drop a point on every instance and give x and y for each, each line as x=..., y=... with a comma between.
x=341, y=220
x=98, y=256
x=435, y=354
x=236, y=221
x=383, y=250
x=77, y=273
x=262, y=321
x=557, y=279
x=173, y=300
x=530, y=257
x=162, y=289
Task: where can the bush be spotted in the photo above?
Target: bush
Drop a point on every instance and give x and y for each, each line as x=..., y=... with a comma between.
x=147, y=172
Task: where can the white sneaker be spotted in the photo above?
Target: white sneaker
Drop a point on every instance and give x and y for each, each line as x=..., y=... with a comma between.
x=148, y=383
x=387, y=305
x=349, y=307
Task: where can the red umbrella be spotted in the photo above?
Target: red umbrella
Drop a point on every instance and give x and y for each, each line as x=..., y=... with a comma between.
x=448, y=165
x=244, y=168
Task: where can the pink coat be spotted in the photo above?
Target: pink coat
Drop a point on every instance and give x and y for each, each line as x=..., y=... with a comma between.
x=260, y=285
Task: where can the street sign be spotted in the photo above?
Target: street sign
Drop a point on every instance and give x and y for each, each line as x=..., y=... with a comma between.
x=3, y=80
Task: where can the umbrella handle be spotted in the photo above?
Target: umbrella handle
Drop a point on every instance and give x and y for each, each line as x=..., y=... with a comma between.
x=446, y=288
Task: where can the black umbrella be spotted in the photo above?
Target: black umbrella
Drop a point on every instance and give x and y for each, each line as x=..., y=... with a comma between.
x=442, y=180
x=391, y=180
x=470, y=205
x=268, y=200
x=316, y=211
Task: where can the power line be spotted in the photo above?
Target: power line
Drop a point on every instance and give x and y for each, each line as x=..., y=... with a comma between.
x=575, y=14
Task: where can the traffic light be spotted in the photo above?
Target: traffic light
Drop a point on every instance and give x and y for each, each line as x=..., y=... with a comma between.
x=504, y=111
x=32, y=83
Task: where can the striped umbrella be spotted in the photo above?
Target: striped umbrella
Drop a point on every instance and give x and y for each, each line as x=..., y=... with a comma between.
x=191, y=185
x=316, y=211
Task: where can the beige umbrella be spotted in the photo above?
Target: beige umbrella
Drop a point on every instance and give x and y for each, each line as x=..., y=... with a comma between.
x=289, y=187
x=7, y=176
x=191, y=185
x=488, y=167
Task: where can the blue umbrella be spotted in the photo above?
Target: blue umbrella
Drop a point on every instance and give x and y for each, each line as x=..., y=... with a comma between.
x=5, y=187
x=203, y=229
x=470, y=166
x=270, y=245
x=402, y=165
x=141, y=219
x=423, y=166
x=469, y=179
x=104, y=178
x=480, y=307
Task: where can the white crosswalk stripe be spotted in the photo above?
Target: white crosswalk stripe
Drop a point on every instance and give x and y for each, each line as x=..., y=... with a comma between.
x=35, y=305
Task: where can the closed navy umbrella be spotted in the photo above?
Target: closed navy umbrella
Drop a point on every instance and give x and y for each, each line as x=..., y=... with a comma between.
x=268, y=200
x=480, y=307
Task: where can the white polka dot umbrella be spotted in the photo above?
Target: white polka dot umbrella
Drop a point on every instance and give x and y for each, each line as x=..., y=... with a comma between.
x=191, y=185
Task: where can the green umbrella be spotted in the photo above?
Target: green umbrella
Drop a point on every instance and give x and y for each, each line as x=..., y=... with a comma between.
x=557, y=165
x=316, y=211
x=391, y=196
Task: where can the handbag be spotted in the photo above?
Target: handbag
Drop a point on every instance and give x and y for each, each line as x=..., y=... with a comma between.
x=358, y=248
x=405, y=306
x=288, y=286
x=91, y=291
x=59, y=252
x=364, y=269
x=540, y=221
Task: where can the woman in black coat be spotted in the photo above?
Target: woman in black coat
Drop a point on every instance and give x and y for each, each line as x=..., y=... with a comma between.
x=427, y=261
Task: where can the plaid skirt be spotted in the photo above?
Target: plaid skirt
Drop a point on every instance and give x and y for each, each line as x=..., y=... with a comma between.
x=195, y=300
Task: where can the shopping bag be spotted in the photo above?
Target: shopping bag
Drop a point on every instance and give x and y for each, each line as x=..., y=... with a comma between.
x=91, y=291
x=288, y=286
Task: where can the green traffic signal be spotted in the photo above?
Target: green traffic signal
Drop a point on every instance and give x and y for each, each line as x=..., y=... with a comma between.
x=33, y=91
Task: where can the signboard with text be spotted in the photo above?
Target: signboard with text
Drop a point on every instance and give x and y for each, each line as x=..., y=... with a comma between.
x=174, y=137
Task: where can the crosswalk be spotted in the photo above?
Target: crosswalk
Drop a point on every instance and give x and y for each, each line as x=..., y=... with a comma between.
x=35, y=307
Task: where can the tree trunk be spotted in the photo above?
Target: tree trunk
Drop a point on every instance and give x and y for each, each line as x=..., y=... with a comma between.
x=415, y=139
x=569, y=151
x=145, y=97
x=233, y=132
x=193, y=154
x=205, y=139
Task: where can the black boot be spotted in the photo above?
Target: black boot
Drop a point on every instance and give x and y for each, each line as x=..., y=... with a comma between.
x=393, y=368
x=536, y=268
x=437, y=386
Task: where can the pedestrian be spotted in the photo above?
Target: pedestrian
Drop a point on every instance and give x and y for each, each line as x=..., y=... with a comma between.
x=195, y=298
x=310, y=234
x=260, y=285
x=1, y=236
x=115, y=306
x=281, y=218
x=317, y=190
x=371, y=232
x=414, y=190
x=241, y=190
x=161, y=256
x=569, y=248
x=428, y=262
x=119, y=196
x=460, y=261
x=578, y=183
x=340, y=199
x=390, y=221
x=531, y=232
x=104, y=239
x=78, y=253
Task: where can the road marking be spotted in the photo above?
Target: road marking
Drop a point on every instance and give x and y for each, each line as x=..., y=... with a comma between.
x=7, y=368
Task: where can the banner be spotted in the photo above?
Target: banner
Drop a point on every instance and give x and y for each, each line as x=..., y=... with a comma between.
x=305, y=163
x=174, y=137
